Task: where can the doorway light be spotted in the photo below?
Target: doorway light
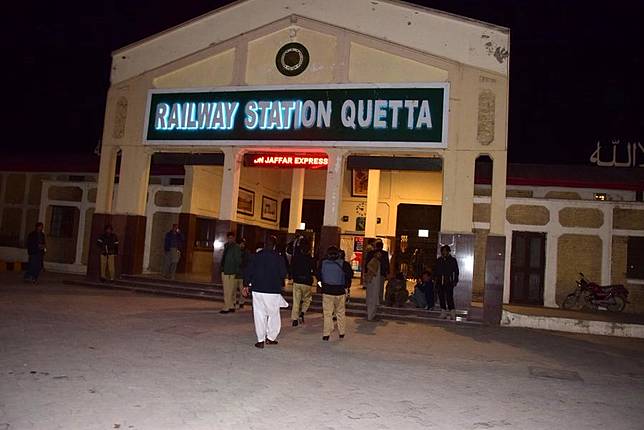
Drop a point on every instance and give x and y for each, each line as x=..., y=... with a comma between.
x=423, y=233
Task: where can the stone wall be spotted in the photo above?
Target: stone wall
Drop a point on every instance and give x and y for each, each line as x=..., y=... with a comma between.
x=10, y=226
x=618, y=272
x=67, y=194
x=581, y=217
x=577, y=253
x=628, y=219
x=528, y=215
x=15, y=191
x=478, y=277
x=481, y=212
x=563, y=195
x=172, y=199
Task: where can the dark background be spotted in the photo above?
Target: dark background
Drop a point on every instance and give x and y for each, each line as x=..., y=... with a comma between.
x=576, y=69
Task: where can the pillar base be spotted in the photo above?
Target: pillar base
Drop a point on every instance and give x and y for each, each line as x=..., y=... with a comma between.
x=462, y=246
x=329, y=236
x=494, y=277
x=222, y=227
x=130, y=230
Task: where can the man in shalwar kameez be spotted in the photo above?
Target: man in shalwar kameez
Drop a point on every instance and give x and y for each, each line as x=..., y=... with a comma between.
x=265, y=277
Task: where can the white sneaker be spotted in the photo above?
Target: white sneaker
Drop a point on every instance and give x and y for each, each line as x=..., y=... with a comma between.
x=443, y=314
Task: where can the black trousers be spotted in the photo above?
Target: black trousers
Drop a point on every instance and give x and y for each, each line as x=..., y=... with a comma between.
x=446, y=296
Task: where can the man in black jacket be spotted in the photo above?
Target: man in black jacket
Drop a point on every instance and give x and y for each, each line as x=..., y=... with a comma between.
x=302, y=268
x=36, y=248
x=446, y=278
x=265, y=278
x=108, y=244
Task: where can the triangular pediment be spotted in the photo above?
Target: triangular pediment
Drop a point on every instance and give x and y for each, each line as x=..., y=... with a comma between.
x=453, y=38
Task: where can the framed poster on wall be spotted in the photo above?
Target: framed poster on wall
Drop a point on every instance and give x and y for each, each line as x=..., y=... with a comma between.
x=359, y=182
x=269, y=209
x=246, y=202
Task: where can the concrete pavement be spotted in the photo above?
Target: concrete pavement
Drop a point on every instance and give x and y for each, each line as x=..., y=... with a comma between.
x=75, y=358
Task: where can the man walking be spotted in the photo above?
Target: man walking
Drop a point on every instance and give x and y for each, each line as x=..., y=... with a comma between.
x=376, y=271
x=302, y=273
x=265, y=278
x=230, y=269
x=36, y=248
x=334, y=292
x=446, y=278
x=108, y=243
x=244, y=260
x=173, y=244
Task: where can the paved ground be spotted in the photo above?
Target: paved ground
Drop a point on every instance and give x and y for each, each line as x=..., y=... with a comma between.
x=74, y=358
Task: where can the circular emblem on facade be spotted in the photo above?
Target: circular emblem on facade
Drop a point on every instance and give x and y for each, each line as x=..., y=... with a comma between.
x=292, y=59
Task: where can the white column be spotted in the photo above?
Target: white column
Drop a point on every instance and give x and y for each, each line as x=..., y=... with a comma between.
x=373, y=193
x=297, y=200
x=607, y=245
x=333, y=192
x=25, y=208
x=230, y=183
x=550, y=271
x=105, y=186
x=497, y=202
x=80, y=235
x=133, y=181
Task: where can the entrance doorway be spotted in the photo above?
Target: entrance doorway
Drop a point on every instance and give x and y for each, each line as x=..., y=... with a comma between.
x=527, y=267
x=417, y=228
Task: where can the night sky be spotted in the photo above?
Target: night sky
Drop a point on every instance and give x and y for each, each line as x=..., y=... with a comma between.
x=576, y=76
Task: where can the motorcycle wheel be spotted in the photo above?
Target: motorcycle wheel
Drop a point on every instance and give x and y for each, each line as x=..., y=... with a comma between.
x=570, y=302
x=618, y=305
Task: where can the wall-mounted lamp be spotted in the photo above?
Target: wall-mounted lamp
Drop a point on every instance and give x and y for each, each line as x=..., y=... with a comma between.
x=302, y=226
x=423, y=233
x=378, y=220
x=345, y=218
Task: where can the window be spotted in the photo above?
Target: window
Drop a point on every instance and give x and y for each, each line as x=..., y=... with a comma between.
x=205, y=233
x=635, y=258
x=62, y=221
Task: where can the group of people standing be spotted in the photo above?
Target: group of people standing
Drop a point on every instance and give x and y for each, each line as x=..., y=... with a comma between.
x=108, y=245
x=440, y=281
x=263, y=275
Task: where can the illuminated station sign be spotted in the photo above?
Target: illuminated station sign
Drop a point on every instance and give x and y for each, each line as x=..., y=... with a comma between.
x=407, y=114
x=279, y=160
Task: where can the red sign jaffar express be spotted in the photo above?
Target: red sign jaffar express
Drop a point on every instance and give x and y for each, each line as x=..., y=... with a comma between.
x=306, y=161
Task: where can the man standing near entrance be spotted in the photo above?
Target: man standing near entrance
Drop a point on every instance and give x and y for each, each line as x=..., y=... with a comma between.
x=446, y=278
x=36, y=248
x=230, y=269
x=172, y=245
x=108, y=244
x=376, y=271
x=302, y=268
x=265, y=278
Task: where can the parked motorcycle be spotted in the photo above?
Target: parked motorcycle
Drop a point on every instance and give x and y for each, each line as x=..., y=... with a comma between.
x=590, y=295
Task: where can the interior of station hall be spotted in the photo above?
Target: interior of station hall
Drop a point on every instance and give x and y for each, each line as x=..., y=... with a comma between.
x=400, y=207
